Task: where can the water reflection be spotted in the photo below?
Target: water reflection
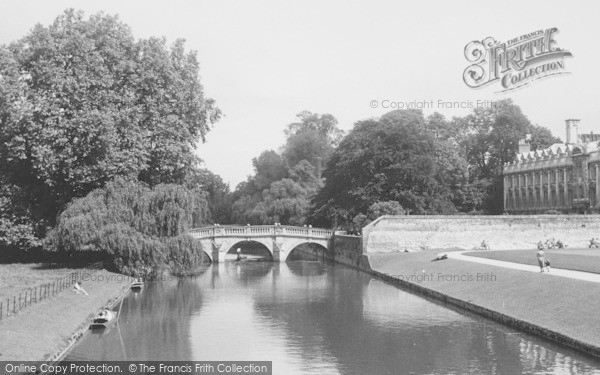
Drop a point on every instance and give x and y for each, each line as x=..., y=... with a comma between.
x=152, y=324
x=314, y=318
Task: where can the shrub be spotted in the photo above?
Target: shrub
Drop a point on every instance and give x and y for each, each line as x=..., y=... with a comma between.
x=378, y=209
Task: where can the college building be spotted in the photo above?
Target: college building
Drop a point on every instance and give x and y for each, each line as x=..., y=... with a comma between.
x=564, y=177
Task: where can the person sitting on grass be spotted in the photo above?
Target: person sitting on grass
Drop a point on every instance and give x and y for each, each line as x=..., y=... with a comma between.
x=440, y=256
x=541, y=258
x=484, y=246
x=77, y=288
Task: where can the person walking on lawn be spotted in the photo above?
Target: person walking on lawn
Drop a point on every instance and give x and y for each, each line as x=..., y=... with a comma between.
x=541, y=258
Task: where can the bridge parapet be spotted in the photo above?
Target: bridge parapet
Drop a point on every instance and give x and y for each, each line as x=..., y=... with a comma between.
x=260, y=231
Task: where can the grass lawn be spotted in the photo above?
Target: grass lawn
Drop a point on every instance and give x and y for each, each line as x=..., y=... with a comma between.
x=587, y=260
x=43, y=328
x=18, y=277
x=542, y=299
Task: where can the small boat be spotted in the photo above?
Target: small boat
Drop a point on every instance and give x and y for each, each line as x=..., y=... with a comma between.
x=137, y=284
x=104, y=319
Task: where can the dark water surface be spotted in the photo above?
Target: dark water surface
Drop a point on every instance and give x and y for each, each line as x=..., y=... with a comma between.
x=314, y=318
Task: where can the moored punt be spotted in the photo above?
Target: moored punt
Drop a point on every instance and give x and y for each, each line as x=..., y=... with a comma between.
x=104, y=319
x=137, y=284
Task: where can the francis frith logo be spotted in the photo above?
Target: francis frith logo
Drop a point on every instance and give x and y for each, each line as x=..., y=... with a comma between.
x=514, y=63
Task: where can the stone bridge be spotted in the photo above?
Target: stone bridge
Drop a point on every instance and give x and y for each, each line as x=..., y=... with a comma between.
x=280, y=240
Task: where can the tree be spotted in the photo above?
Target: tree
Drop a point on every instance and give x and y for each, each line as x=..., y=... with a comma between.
x=325, y=125
x=140, y=230
x=218, y=193
x=269, y=167
x=83, y=103
x=17, y=227
x=309, y=145
x=491, y=139
x=284, y=183
x=493, y=136
x=286, y=201
x=395, y=158
x=313, y=138
x=541, y=137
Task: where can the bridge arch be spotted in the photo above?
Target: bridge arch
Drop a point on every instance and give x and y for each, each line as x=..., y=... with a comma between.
x=253, y=246
x=308, y=251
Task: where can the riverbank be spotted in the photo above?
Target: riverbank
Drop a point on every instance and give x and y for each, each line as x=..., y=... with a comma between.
x=44, y=330
x=560, y=309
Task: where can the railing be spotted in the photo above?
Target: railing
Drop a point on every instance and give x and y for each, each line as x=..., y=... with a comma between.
x=18, y=302
x=260, y=230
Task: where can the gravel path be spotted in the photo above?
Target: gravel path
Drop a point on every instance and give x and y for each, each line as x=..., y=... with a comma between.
x=578, y=275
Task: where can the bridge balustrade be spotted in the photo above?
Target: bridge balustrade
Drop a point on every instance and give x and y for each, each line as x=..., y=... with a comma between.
x=261, y=230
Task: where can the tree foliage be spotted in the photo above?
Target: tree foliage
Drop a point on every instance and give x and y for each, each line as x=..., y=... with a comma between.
x=396, y=158
x=284, y=183
x=138, y=228
x=269, y=167
x=378, y=209
x=493, y=135
x=374, y=211
x=313, y=139
x=326, y=125
x=83, y=102
x=218, y=193
x=16, y=224
x=490, y=137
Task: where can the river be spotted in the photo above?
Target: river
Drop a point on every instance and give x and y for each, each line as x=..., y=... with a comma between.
x=315, y=318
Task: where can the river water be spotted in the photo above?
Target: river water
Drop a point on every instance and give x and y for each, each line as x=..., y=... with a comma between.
x=315, y=318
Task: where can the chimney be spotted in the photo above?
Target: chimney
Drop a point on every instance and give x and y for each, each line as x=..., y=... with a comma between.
x=572, y=126
x=524, y=147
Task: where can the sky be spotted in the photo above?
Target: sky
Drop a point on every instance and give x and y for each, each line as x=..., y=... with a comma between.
x=266, y=61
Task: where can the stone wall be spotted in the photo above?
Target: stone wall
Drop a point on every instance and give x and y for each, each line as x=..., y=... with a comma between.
x=461, y=232
x=348, y=250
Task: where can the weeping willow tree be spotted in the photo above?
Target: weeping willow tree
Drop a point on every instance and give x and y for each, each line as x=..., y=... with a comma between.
x=141, y=231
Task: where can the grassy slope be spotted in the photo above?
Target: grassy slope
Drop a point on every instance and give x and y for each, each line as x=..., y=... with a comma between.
x=546, y=300
x=43, y=328
x=18, y=277
x=587, y=260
